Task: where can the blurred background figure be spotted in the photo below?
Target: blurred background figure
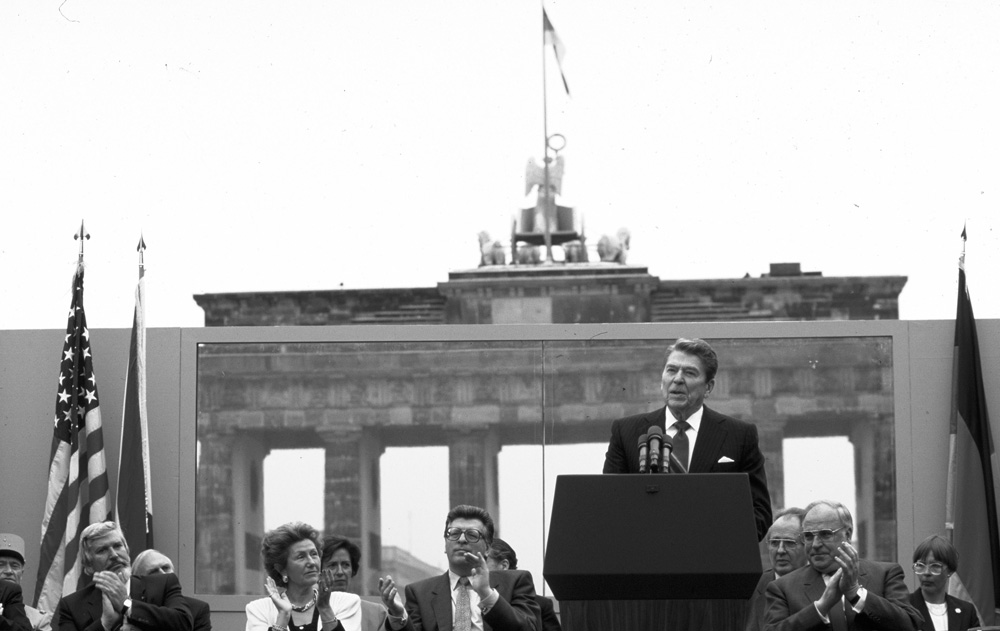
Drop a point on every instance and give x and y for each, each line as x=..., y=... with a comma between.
x=340, y=561
x=787, y=553
x=11, y=568
x=155, y=562
x=295, y=593
x=934, y=561
x=502, y=557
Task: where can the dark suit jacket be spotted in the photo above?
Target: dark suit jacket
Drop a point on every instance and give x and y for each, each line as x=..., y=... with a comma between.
x=758, y=602
x=13, y=617
x=201, y=613
x=157, y=605
x=428, y=603
x=961, y=613
x=887, y=608
x=718, y=436
x=549, y=620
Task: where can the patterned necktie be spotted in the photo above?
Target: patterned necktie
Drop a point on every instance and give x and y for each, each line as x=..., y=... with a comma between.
x=463, y=606
x=681, y=442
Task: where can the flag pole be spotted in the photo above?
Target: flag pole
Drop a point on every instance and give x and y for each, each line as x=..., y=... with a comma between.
x=81, y=235
x=949, y=502
x=545, y=132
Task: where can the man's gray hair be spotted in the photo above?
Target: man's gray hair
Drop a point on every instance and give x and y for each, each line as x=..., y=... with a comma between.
x=95, y=531
x=842, y=513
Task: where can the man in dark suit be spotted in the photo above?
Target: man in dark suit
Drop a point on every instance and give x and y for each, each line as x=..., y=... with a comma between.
x=152, y=561
x=12, y=616
x=469, y=596
x=502, y=557
x=785, y=549
x=115, y=597
x=837, y=589
x=716, y=443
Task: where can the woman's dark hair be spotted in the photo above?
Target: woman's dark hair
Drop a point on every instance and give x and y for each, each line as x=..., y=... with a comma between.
x=332, y=543
x=275, y=544
x=942, y=550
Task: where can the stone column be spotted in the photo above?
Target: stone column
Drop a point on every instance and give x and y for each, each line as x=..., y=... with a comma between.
x=472, y=469
x=215, y=560
x=352, y=506
x=863, y=439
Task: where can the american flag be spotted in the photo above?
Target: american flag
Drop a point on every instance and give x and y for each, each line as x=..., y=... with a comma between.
x=78, y=479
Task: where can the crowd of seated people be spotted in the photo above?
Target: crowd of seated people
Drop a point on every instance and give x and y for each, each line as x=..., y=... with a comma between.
x=816, y=580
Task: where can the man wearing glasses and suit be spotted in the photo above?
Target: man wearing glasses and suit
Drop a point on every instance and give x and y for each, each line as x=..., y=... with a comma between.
x=469, y=596
x=838, y=589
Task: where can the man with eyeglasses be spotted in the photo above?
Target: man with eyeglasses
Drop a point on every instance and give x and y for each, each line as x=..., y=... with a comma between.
x=469, y=597
x=838, y=589
x=785, y=549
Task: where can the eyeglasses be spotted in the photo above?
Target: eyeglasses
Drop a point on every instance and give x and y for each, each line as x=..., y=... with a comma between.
x=471, y=534
x=934, y=569
x=825, y=535
x=775, y=544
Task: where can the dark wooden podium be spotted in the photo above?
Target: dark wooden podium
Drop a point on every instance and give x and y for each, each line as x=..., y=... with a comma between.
x=672, y=552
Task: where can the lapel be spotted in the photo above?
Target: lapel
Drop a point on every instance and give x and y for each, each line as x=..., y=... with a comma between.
x=137, y=589
x=709, y=444
x=441, y=602
x=954, y=613
x=92, y=602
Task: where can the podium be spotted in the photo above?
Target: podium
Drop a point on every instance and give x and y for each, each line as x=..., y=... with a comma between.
x=652, y=537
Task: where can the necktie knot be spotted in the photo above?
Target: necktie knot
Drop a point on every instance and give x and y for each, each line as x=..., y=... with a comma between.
x=463, y=581
x=682, y=426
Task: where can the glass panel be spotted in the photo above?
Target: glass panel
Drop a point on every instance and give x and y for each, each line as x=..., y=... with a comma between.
x=837, y=388
x=454, y=405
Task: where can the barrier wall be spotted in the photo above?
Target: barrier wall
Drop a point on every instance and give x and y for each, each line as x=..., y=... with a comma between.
x=917, y=380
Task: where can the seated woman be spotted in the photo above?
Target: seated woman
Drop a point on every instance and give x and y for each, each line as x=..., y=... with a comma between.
x=296, y=597
x=341, y=559
x=934, y=561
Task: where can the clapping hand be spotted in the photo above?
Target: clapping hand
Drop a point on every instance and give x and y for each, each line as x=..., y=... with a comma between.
x=114, y=591
x=480, y=577
x=278, y=596
x=390, y=597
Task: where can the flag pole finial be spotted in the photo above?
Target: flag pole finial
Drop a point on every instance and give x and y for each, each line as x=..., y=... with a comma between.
x=141, y=249
x=83, y=234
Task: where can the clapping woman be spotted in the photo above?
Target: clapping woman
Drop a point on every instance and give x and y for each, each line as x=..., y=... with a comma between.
x=297, y=600
x=934, y=561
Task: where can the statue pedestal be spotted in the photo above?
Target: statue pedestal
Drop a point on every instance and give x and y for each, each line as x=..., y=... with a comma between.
x=557, y=293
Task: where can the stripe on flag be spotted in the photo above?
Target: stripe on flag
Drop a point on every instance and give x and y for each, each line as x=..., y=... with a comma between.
x=134, y=497
x=973, y=472
x=78, y=481
x=552, y=39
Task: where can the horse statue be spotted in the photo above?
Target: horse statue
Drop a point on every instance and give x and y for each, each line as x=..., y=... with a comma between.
x=614, y=249
x=491, y=252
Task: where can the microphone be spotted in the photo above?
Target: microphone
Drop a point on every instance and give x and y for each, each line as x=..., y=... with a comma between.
x=643, y=450
x=655, y=445
x=668, y=453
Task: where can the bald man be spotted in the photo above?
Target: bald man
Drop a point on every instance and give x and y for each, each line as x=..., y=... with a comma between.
x=155, y=562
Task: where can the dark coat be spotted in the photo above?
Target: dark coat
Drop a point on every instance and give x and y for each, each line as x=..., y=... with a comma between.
x=157, y=605
x=13, y=618
x=428, y=603
x=961, y=613
x=887, y=607
x=719, y=436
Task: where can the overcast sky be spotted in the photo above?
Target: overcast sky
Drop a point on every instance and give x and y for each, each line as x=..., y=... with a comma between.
x=307, y=145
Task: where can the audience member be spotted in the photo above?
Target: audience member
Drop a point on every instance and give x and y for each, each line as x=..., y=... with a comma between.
x=155, y=562
x=115, y=598
x=340, y=561
x=502, y=557
x=934, y=561
x=838, y=588
x=784, y=547
x=296, y=593
x=716, y=443
x=12, y=560
x=468, y=596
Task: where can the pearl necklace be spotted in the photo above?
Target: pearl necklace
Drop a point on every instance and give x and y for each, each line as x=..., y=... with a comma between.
x=301, y=608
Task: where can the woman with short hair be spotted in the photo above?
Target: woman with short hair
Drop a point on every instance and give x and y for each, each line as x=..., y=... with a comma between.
x=341, y=559
x=934, y=561
x=297, y=599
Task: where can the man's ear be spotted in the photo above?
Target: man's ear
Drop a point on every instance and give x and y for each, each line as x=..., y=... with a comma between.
x=505, y=564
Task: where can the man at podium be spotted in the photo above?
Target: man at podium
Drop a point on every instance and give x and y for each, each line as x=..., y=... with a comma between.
x=704, y=440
